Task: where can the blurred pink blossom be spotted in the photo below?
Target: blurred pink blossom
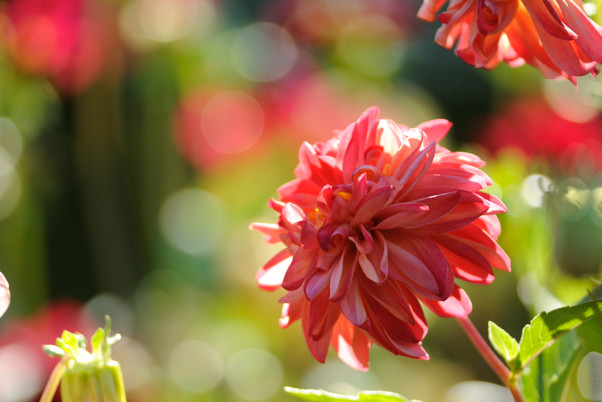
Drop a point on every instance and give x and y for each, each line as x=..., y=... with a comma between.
x=64, y=40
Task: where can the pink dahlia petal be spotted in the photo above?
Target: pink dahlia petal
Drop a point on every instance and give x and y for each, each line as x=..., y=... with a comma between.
x=555, y=36
x=466, y=262
x=351, y=344
x=302, y=263
x=375, y=265
x=4, y=294
x=389, y=296
x=372, y=203
x=544, y=15
x=353, y=307
x=481, y=241
x=270, y=277
x=436, y=129
x=271, y=230
x=438, y=206
x=379, y=218
x=456, y=305
x=396, y=215
x=589, y=34
x=316, y=283
x=318, y=347
x=322, y=316
x=342, y=275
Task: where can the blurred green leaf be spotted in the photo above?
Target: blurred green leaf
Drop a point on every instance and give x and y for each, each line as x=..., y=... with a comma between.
x=590, y=334
x=362, y=396
x=503, y=342
x=547, y=326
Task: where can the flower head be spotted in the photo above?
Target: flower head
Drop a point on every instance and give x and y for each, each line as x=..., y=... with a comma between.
x=555, y=36
x=85, y=375
x=379, y=219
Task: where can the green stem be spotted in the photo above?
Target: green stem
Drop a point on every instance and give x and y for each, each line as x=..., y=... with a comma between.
x=53, y=381
x=491, y=358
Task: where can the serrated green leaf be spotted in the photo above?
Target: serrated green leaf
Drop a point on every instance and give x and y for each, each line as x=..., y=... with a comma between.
x=546, y=377
x=319, y=395
x=547, y=327
x=503, y=342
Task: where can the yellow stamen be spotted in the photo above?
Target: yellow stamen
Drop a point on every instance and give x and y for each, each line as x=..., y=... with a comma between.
x=344, y=195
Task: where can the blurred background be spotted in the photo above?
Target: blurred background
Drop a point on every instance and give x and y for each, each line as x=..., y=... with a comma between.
x=140, y=138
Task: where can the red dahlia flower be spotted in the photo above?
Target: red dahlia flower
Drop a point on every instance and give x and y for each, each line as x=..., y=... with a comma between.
x=380, y=218
x=555, y=36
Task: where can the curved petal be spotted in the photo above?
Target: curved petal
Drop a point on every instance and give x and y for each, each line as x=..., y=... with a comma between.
x=271, y=275
x=353, y=307
x=590, y=33
x=545, y=16
x=351, y=344
x=342, y=275
x=301, y=264
x=271, y=231
x=458, y=304
x=4, y=294
x=436, y=129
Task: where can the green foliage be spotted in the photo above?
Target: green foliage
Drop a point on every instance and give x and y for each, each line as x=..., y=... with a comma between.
x=546, y=327
x=502, y=342
x=543, y=359
x=546, y=377
x=363, y=396
x=590, y=334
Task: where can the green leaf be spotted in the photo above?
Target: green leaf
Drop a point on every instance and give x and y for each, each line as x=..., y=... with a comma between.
x=546, y=327
x=503, y=342
x=546, y=378
x=590, y=334
x=363, y=396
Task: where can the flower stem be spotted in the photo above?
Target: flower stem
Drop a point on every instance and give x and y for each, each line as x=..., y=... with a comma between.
x=53, y=381
x=491, y=358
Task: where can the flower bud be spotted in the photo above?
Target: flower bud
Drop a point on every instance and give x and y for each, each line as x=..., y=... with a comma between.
x=86, y=376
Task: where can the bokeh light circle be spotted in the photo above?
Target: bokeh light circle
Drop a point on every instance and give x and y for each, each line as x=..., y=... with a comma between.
x=139, y=369
x=533, y=189
x=167, y=20
x=121, y=314
x=22, y=373
x=11, y=145
x=192, y=220
x=371, y=45
x=474, y=391
x=232, y=122
x=254, y=374
x=579, y=106
x=263, y=52
x=195, y=366
x=589, y=376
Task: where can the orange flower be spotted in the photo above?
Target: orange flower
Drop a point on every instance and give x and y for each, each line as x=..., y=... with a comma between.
x=555, y=36
x=379, y=220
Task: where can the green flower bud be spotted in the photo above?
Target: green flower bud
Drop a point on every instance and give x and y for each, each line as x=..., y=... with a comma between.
x=95, y=381
x=84, y=375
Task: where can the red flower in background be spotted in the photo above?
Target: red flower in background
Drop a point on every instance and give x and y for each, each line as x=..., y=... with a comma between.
x=24, y=366
x=379, y=219
x=531, y=126
x=555, y=36
x=64, y=40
